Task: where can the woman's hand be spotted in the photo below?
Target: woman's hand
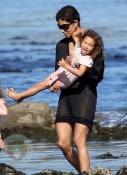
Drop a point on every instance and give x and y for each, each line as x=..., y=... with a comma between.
x=55, y=88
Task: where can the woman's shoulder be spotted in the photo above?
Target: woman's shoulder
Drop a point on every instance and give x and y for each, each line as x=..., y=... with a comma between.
x=63, y=41
x=62, y=48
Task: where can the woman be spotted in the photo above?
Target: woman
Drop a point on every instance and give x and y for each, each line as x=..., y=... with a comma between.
x=77, y=104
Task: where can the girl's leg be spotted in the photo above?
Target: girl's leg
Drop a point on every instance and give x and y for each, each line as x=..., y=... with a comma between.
x=18, y=97
x=64, y=136
x=44, y=84
x=80, y=136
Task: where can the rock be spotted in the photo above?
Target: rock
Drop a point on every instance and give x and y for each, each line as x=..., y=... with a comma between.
x=27, y=114
x=94, y=171
x=107, y=156
x=8, y=170
x=122, y=171
x=99, y=171
x=107, y=133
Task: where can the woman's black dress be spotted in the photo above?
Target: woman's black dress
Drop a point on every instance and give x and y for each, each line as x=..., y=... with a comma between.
x=77, y=104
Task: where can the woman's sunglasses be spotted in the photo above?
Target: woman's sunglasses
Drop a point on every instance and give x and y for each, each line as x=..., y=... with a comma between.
x=64, y=26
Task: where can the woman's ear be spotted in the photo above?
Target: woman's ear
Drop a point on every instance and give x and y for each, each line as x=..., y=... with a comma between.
x=75, y=21
x=76, y=24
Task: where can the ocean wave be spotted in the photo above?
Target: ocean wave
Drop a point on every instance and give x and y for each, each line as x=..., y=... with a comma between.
x=111, y=118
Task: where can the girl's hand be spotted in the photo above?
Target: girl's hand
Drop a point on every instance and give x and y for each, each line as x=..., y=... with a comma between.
x=62, y=63
x=69, y=59
x=78, y=34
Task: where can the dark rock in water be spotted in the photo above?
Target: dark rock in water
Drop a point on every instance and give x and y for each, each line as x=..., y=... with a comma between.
x=8, y=170
x=107, y=156
x=110, y=156
x=122, y=171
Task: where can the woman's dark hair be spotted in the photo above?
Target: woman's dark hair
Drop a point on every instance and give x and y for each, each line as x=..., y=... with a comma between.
x=68, y=13
x=98, y=50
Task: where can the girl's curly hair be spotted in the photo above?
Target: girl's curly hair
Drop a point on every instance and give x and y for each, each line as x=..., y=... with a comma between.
x=98, y=50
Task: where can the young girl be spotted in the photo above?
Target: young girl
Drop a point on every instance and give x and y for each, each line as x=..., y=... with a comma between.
x=82, y=60
x=3, y=112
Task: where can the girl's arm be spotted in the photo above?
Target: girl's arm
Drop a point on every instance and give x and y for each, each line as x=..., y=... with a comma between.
x=76, y=71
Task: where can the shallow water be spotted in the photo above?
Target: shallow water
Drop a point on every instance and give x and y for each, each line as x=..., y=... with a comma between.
x=47, y=156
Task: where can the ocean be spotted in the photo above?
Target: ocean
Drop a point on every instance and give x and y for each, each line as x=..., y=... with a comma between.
x=29, y=33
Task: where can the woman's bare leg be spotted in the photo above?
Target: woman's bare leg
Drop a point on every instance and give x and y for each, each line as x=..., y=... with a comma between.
x=64, y=136
x=18, y=97
x=80, y=136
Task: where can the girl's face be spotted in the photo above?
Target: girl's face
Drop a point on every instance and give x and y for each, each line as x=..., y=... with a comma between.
x=67, y=28
x=87, y=45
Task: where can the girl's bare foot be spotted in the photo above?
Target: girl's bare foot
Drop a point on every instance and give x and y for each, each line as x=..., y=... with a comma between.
x=10, y=93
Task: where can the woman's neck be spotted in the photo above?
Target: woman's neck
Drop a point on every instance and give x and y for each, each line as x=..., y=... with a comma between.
x=71, y=46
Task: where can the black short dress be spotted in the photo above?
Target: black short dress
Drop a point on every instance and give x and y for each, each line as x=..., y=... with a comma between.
x=77, y=104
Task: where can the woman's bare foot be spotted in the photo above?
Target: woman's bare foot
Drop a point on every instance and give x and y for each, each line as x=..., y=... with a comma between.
x=10, y=93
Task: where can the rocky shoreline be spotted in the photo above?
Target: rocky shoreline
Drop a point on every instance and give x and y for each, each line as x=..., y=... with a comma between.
x=29, y=118
x=8, y=170
x=36, y=121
